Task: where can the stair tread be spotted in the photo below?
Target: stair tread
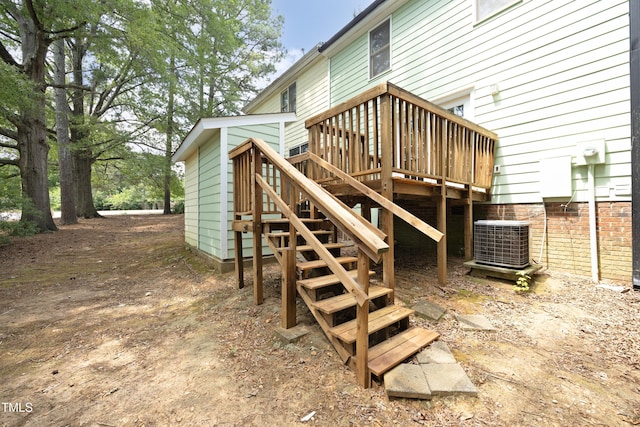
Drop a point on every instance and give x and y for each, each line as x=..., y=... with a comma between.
x=393, y=351
x=310, y=265
x=328, y=280
x=378, y=320
x=307, y=248
x=341, y=302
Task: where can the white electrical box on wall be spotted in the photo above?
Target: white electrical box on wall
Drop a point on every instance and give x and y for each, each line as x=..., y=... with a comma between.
x=590, y=152
x=555, y=177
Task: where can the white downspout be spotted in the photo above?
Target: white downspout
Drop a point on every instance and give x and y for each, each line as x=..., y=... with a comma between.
x=593, y=236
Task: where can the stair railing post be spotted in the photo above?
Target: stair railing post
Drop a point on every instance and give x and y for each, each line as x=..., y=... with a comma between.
x=288, y=288
x=289, y=260
x=258, y=295
x=386, y=181
x=363, y=373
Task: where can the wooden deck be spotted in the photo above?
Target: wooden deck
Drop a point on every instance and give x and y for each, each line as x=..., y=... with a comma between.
x=404, y=148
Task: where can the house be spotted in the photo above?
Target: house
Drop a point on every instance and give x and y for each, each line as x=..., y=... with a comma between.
x=209, y=179
x=550, y=78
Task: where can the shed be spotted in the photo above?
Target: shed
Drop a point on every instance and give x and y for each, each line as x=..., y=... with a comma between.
x=208, y=179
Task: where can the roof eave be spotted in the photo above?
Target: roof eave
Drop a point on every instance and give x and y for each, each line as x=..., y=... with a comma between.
x=205, y=127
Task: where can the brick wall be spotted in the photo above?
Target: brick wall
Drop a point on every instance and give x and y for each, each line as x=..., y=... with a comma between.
x=566, y=243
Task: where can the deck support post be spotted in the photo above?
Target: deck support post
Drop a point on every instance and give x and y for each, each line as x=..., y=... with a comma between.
x=386, y=191
x=289, y=288
x=258, y=295
x=442, y=244
x=468, y=226
x=289, y=261
x=363, y=373
x=239, y=263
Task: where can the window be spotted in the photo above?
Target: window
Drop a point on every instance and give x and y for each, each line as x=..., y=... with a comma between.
x=288, y=99
x=486, y=8
x=380, y=49
x=458, y=110
x=460, y=104
x=299, y=149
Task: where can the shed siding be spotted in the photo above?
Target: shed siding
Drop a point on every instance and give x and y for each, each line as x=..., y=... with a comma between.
x=191, y=200
x=237, y=135
x=209, y=197
x=561, y=69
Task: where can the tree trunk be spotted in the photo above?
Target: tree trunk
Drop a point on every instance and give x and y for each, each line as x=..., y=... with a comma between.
x=67, y=198
x=82, y=162
x=32, y=133
x=34, y=152
x=168, y=144
x=81, y=153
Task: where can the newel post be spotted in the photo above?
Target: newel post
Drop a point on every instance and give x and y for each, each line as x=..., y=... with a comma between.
x=386, y=191
x=289, y=262
x=363, y=374
x=258, y=295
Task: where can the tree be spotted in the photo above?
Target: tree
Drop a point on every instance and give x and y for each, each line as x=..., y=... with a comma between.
x=216, y=49
x=67, y=197
x=27, y=31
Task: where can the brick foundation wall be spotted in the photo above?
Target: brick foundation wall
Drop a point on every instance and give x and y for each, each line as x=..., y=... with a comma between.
x=566, y=244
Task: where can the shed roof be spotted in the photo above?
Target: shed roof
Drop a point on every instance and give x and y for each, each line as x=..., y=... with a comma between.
x=205, y=128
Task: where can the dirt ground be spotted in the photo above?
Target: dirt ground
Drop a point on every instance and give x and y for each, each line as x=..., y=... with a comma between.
x=112, y=322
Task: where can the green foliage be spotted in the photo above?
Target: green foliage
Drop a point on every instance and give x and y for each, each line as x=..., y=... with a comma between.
x=522, y=282
x=21, y=228
x=178, y=208
x=10, y=190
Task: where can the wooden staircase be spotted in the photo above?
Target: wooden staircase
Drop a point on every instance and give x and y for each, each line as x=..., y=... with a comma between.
x=391, y=337
x=370, y=333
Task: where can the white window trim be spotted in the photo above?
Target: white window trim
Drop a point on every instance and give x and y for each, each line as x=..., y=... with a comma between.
x=451, y=99
x=388, y=18
x=488, y=17
x=295, y=82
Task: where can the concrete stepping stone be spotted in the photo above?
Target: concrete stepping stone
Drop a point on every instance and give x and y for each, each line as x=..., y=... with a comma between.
x=437, y=352
x=291, y=335
x=474, y=322
x=429, y=310
x=407, y=381
x=448, y=378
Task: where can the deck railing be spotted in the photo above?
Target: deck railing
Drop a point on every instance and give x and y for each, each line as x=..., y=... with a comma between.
x=388, y=132
x=264, y=182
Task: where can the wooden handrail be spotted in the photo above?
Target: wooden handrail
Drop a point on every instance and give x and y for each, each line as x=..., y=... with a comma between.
x=376, y=197
x=343, y=218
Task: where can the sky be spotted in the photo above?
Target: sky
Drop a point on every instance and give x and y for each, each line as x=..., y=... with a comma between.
x=309, y=22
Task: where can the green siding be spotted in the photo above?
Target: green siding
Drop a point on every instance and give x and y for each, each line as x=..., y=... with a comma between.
x=209, y=197
x=562, y=70
x=191, y=200
x=270, y=133
x=312, y=98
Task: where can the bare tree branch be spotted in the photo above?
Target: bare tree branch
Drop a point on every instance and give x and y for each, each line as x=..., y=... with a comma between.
x=7, y=57
x=5, y=162
x=9, y=134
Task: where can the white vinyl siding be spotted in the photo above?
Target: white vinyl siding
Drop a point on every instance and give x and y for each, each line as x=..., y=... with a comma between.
x=191, y=200
x=561, y=69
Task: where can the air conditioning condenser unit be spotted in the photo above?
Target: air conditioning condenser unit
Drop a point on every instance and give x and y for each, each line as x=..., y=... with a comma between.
x=501, y=243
